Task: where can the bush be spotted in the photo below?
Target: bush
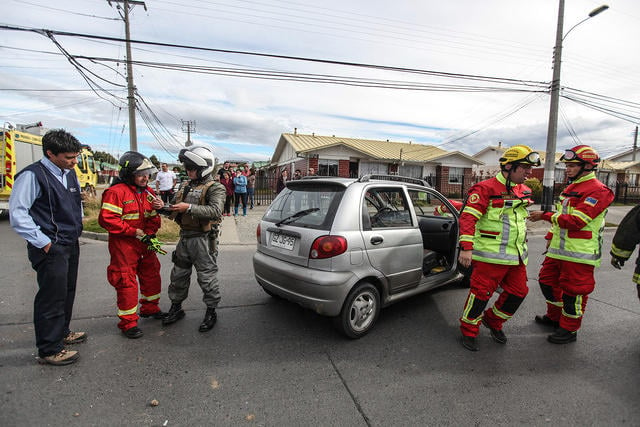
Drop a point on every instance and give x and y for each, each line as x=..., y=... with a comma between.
x=536, y=189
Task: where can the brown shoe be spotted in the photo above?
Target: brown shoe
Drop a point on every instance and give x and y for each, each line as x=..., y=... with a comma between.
x=75, y=338
x=65, y=357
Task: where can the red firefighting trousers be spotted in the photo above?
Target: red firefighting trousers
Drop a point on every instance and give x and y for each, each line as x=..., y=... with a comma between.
x=566, y=286
x=130, y=262
x=485, y=279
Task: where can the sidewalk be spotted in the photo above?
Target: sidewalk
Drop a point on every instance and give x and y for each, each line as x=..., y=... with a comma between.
x=241, y=230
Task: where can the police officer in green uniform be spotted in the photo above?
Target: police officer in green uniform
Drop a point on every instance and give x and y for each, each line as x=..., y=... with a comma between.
x=197, y=207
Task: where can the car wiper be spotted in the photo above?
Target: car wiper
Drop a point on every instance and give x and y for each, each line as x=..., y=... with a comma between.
x=295, y=216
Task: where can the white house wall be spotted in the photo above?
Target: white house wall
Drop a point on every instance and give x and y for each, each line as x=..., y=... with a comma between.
x=338, y=152
x=288, y=155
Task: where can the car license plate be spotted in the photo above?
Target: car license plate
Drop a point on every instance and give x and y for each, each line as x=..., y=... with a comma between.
x=283, y=241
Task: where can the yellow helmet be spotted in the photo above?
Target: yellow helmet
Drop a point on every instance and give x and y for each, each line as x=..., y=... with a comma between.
x=521, y=154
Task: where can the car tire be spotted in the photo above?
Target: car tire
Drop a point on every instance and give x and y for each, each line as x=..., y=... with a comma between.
x=360, y=311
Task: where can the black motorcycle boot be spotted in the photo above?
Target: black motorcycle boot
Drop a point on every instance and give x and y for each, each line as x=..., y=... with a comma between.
x=175, y=313
x=209, y=320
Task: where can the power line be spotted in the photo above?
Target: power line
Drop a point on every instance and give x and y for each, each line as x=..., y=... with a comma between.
x=285, y=57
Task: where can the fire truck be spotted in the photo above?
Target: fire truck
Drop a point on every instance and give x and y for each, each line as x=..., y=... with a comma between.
x=21, y=145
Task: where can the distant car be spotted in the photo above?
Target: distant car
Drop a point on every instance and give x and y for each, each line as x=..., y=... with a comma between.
x=347, y=247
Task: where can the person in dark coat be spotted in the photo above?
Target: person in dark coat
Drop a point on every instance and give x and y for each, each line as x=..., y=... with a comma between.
x=625, y=240
x=282, y=181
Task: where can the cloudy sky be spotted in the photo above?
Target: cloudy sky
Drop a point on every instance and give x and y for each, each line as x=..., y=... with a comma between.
x=477, y=70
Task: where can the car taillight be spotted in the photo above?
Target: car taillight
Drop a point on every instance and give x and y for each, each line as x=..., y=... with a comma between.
x=327, y=247
x=258, y=237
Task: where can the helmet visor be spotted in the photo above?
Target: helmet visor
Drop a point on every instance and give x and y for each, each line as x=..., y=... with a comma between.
x=533, y=158
x=570, y=156
x=189, y=165
x=181, y=156
x=150, y=172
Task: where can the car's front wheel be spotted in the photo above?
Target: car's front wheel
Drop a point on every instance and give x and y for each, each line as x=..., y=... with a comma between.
x=360, y=311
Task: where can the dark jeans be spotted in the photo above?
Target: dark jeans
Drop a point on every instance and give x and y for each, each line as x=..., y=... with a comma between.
x=250, y=192
x=227, y=204
x=57, y=273
x=241, y=197
x=166, y=196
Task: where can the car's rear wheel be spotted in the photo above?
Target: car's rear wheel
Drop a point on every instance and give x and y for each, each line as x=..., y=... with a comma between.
x=360, y=311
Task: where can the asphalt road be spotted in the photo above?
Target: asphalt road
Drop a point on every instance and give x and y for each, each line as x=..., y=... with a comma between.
x=269, y=362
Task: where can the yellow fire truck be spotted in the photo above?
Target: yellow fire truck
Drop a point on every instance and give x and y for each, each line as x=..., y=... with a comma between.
x=19, y=148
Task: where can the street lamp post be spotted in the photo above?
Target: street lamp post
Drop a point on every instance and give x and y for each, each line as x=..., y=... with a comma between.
x=552, y=132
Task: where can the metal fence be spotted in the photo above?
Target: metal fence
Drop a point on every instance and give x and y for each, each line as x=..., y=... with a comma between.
x=265, y=190
x=627, y=194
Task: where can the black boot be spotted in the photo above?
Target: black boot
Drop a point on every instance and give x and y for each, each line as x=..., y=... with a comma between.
x=562, y=336
x=209, y=320
x=546, y=321
x=175, y=313
x=158, y=315
x=470, y=343
x=133, y=333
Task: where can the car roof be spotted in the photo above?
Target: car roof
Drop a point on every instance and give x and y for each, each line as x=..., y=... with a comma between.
x=363, y=179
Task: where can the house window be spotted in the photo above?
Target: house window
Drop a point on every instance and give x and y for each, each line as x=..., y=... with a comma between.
x=327, y=167
x=414, y=171
x=455, y=175
x=373, y=168
x=559, y=175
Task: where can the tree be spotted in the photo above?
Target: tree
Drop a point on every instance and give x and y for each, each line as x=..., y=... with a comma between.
x=101, y=156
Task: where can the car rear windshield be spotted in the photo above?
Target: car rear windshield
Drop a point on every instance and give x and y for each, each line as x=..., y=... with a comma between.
x=310, y=206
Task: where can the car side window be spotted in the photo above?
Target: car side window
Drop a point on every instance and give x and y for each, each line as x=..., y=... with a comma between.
x=386, y=208
x=427, y=204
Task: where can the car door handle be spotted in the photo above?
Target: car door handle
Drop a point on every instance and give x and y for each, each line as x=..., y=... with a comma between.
x=376, y=240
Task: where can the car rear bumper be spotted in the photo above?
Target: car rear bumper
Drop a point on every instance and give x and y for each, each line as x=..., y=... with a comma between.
x=322, y=291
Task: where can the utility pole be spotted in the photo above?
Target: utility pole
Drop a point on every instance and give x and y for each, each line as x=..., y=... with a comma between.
x=635, y=144
x=188, y=126
x=133, y=137
x=548, y=181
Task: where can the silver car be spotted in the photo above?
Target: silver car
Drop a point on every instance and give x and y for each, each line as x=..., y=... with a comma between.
x=347, y=247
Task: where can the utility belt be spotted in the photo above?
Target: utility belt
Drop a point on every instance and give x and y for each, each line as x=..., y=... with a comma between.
x=212, y=234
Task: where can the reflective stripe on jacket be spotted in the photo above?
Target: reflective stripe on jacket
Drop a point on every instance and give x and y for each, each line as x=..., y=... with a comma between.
x=125, y=208
x=579, y=221
x=493, y=222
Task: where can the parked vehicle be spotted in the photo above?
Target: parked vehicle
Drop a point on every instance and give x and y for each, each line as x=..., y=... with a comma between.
x=348, y=247
x=22, y=145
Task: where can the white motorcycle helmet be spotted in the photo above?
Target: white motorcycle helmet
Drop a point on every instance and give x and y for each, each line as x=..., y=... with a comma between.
x=198, y=157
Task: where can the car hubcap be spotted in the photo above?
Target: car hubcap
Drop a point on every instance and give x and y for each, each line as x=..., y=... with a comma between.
x=362, y=311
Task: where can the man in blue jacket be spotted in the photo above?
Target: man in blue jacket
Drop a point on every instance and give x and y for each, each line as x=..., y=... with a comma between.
x=45, y=208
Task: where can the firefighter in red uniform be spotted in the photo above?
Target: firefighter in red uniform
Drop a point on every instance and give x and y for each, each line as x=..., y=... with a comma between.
x=129, y=214
x=574, y=244
x=493, y=237
x=443, y=210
